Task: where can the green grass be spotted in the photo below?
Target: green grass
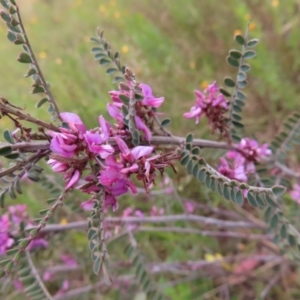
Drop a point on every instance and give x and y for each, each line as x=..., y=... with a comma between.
x=176, y=47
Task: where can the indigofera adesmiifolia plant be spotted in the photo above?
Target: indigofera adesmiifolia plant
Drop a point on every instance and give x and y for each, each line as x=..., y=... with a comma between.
x=132, y=150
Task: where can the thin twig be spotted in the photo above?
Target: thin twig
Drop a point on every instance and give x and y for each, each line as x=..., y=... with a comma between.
x=229, y=234
x=155, y=219
x=82, y=290
x=6, y=108
x=37, y=277
x=271, y=283
x=32, y=159
x=39, y=72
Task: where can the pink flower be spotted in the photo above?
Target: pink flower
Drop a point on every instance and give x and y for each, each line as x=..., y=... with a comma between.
x=250, y=152
x=94, y=141
x=71, y=175
x=156, y=212
x=143, y=127
x=149, y=99
x=213, y=105
x=87, y=205
x=38, y=243
x=5, y=240
x=68, y=141
x=189, y=207
x=64, y=288
x=295, y=193
x=74, y=122
x=17, y=213
x=72, y=178
x=68, y=260
x=115, y=112
x=115, y=176
x=236, y=171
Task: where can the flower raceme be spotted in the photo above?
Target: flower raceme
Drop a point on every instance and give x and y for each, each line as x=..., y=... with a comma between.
x=12, y=225
x=144, y=108
x=74, y=146
x=241, y=161
x=212, y=105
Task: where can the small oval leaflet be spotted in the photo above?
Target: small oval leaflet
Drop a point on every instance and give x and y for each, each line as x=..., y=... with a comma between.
x=5, y=16
x=38, y=89
x=104, y=61
x=239, y=39
x=252, y=43
x=242, y=76
x=41, y=102
x=249, y=54
x=111, y=71
x=245, y=67
x=252, y=199
x=232, y=62
x=8, y=137
x=239, y=199
x=242, y=84
x=229, y=82
x=224, y=92
x=166, y=122
x=4, y=4
x=189, y=138
x=274, y=221
x=237, y=124
x=240, y=95
x=24, y=58
x=235, y=54
x=278, y=190
x=11, y=36
x=6, y=150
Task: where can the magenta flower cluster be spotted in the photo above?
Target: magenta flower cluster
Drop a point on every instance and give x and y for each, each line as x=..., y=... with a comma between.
x=75, y=146
x=240, y=163
x=213, y=106
x=10, y=230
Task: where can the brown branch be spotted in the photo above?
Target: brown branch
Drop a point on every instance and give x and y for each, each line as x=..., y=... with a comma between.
x=6, y=108
x=153, y=220
x=35, y=63
x=229, y=234
x=37, y=277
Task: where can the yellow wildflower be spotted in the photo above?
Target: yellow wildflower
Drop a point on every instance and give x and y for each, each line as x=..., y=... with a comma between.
x=42, y=55
x=237, y=31
x=247, y=17
x=252, y=26
x=117, y=15
x=275, y=3
x=102, y=9
x=58, y=61
x=204, y=84
x=124, y=49
x=63, y=221
x=33, y=20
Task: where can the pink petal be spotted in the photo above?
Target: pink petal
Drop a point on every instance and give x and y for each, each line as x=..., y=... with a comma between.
x=104, y=128
x=87, y=205
x=146, y=89
x=70, y=117
x=140, y=151
x=142, y=126
x=122, y=146
x=193, y=113
x=74, y=179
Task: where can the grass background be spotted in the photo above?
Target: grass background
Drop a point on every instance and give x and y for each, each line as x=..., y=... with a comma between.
x=176, y=46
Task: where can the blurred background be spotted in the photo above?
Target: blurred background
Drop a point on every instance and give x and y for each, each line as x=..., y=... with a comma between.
x=176, y=46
